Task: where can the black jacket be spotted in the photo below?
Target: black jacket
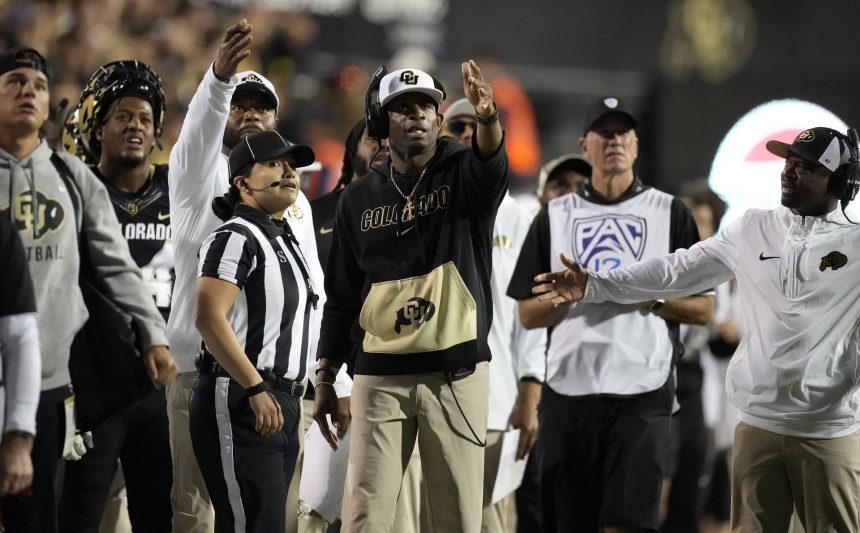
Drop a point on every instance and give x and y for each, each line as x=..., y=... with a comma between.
x=421, y=289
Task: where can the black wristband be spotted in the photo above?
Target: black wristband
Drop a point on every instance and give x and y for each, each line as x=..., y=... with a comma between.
x=324, y=369
x=20, y=433
x=489, y=120
x=263, y=386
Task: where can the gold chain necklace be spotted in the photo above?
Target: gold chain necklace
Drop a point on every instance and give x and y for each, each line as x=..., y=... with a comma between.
x=409, y=206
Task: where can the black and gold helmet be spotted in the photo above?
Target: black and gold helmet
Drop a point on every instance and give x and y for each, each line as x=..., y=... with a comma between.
x=108, y=83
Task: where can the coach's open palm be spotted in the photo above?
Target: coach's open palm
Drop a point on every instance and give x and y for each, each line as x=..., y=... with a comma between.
x=564, y=286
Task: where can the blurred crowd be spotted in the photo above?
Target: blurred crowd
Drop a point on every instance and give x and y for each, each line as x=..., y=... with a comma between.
x=79, y=36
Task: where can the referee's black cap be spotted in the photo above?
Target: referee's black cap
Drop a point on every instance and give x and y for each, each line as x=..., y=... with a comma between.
x=607, y=106
x=23, y=56
x=266, y=145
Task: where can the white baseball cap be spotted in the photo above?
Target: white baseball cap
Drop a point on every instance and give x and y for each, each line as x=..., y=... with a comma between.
x=409, y=80
x=458, y=108
x=254, y=81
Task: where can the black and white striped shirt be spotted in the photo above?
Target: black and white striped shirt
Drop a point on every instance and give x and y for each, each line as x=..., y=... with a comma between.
x=272, y=314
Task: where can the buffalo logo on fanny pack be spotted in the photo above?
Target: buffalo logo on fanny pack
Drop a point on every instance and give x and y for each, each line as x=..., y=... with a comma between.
x=609, y=242
x=834, y=260
x=417, y=311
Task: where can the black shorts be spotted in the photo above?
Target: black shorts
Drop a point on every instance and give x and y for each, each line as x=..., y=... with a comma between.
x=603, y=459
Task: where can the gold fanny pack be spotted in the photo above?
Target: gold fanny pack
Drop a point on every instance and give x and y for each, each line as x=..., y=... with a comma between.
x=421, y=314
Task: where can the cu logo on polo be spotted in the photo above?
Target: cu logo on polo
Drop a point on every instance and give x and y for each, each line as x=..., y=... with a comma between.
x=408, y=77
x=609, y=242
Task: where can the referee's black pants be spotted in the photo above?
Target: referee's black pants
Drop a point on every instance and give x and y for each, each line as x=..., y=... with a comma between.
x=246, y=474
x=137, y=436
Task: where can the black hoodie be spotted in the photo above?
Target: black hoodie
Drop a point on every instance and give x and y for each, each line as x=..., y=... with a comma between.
x=417, y=291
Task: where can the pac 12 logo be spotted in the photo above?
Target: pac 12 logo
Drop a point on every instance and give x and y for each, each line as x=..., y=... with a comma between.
x=609, y=241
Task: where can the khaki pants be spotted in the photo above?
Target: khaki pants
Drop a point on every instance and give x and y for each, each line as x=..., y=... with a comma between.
x=115, y=515
x=192, y=510
x=389, y=413
x=774, y=474
x=411, y=513
x=494, y=516
x=305, y=524
x=409, y=516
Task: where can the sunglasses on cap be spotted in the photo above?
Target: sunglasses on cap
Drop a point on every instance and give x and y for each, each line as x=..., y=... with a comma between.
x=457, y=127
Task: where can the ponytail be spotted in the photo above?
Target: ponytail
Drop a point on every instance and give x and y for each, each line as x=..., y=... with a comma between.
x=223, y=206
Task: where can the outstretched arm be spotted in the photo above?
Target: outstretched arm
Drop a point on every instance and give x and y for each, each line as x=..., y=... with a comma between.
x=683, y=273
x=564, y=286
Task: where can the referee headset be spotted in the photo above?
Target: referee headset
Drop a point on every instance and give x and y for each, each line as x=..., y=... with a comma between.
x=252, y=190
x=845, y=180
x=313, y=297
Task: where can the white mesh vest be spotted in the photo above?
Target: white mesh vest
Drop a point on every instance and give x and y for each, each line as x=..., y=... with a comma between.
x=609, y=348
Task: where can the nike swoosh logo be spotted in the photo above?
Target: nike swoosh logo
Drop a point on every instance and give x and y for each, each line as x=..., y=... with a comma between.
x=401, y=233
x=325, y=231
x=762, y=257
x=163, y=216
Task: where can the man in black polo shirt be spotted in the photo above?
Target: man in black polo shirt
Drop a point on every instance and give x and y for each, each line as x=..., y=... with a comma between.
x=410, y=262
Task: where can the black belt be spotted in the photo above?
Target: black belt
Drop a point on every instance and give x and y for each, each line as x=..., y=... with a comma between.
x=206, y=364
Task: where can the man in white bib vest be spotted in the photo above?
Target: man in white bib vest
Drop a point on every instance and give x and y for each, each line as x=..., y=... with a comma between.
x=609, y=390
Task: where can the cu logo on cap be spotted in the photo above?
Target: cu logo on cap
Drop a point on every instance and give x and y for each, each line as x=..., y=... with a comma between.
x=253, y=77
x=806, y=136
x=408, y=77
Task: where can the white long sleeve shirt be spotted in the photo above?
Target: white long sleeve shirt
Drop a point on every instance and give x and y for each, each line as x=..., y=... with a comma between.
x=198, y=173
x=20, y=372
x=797, y=369
x=517, y=352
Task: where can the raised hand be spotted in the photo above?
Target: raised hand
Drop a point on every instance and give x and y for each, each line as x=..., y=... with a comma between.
x=233, y=49
x=564, y=286
x=477, y=89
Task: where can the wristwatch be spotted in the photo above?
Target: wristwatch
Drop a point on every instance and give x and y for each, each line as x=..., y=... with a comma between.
x=656, y=305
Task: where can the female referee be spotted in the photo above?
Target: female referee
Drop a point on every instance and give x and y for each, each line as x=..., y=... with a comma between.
x=255, y=299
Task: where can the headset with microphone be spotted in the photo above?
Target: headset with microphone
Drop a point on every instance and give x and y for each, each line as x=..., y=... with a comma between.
x=375, y=117
x=272, y=185
x=252, y=190
x=845, y=180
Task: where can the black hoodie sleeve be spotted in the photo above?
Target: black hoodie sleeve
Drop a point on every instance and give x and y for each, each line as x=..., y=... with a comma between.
x=344, y=281
x=485, y=180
